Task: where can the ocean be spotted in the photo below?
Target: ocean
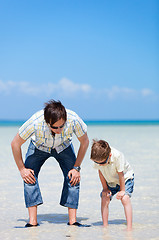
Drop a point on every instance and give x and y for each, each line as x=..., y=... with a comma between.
x=140, y=144
x=11, y=123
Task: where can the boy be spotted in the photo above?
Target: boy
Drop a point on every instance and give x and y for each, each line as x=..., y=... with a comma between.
x=116, y=176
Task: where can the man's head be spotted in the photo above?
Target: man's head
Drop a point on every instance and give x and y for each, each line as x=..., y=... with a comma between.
x=100, y=152
x=55, y=115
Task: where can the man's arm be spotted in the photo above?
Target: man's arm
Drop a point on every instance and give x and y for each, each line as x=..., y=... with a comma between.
x=84, y=142
x=26, y=174
x=73, y=174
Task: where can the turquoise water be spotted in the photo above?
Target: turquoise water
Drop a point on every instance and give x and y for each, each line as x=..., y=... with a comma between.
x=11, y=123
x=91, y=122
x=123, y=122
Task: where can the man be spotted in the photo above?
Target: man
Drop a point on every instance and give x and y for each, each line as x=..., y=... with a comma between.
x=51, y=131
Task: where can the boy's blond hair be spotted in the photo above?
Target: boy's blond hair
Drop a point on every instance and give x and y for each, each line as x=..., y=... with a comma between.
x=100, y=150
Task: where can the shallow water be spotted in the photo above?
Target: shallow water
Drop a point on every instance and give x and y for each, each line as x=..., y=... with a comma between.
x=140, y=145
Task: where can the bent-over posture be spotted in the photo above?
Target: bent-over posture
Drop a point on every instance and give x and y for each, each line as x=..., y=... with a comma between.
x=50, y=131
x=116, y=176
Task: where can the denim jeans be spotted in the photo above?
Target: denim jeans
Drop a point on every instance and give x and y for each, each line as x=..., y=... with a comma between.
x=129, y=187
x=35, y=158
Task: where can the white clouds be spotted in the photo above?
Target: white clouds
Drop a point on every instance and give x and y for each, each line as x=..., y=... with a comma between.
x=116, y=92
x=69, y=89
x=12, y=87
x=146, y=92
x=5, y=87
x=64, y=87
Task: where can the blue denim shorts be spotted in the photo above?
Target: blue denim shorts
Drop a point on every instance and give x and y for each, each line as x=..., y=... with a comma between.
x=129, y=187
x=35, y=158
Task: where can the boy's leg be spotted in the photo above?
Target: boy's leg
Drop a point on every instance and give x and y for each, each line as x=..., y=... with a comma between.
x=128, y=210
x=105, y=200
x=34, y=160
x=129, y=185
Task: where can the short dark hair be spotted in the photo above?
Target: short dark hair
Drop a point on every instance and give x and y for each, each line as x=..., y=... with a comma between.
x=54, y=111
x=100, y=150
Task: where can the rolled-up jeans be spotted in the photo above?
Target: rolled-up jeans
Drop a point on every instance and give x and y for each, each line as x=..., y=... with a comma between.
x=35, y=158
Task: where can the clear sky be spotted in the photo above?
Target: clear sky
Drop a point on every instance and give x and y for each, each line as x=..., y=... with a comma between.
x=99, y=57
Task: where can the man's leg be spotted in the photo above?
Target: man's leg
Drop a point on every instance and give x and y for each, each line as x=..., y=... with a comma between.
x=34, y=160
x=72, y=215
x=70, y=194
x=32, y=215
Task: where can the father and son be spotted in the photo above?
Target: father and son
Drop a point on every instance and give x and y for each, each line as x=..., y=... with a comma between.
x=50, y=131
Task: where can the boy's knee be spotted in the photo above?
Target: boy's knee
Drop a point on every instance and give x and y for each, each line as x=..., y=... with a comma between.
x=125, y=200
x=104, y=198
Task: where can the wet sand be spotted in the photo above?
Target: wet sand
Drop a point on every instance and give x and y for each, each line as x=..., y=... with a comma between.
x=140, y=145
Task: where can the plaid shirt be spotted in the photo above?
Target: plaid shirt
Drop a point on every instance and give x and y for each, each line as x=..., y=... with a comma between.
x=40, y=133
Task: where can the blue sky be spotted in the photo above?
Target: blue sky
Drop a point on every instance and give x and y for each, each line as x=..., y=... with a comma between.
x=99, y=57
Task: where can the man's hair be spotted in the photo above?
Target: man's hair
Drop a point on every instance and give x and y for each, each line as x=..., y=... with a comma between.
x=100, y=150
x=54, y=111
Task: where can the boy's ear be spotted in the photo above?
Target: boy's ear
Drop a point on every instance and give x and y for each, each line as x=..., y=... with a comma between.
x=110, y=154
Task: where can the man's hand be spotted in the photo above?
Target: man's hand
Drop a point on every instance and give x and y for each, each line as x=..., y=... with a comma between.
x=120, y=195
x=28, y=175
x=74, y=175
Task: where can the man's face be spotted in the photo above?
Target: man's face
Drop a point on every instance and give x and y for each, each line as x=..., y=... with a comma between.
x=58, y=126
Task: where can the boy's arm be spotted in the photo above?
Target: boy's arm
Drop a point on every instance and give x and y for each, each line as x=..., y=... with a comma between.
x=106, y=192
x=103, y=181
x=121, y=193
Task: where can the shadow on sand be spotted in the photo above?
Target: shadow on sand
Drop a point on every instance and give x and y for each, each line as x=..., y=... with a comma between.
x=115, y=222
x=55, y=218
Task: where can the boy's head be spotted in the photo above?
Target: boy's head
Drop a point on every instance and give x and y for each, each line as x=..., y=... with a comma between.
x=100, y=151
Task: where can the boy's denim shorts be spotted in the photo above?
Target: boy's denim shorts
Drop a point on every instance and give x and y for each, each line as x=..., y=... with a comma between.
x=35, y=158
x=129, y=187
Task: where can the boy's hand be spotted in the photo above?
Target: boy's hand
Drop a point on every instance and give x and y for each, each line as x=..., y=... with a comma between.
x=106, y=193
x=120, y=195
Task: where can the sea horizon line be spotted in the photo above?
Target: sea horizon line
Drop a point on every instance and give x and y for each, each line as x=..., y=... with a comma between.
x=94, y=122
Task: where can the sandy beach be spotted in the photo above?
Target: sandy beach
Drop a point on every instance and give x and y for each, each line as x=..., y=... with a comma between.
x=140, y=145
